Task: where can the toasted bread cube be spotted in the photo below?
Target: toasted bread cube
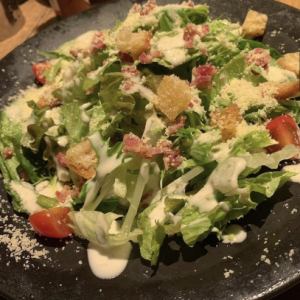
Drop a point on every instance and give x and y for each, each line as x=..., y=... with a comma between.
x=133, y=43
x=226, y=119
x=82, y=159
x=254, y=24
x=291, y=62
x=287, y=90
x=173, y=96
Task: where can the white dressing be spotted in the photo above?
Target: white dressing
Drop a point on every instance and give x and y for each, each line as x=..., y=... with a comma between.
x=108, y=263
x=172, y=47
x=157, y=215
x=234, y=234
x=27, y=195
x=205, y=199
x=225, y=176
x=295, y=169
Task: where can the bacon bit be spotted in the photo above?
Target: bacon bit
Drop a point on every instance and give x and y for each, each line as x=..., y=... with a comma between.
x=136, y=8
x=130, y=70
x=203, y=76
x=98, y=41
x=189, y=3
x=38, y=70
x=179, y=123
x=66, y=192
x=134, y=144
x=259, y=57
x=147, y=7
x=127, y=84
x=8, y=153
x=44, y=102
x=172, y=159
x=145, y=58
x=227, y=120
x=125, y=57
x=191, y=30
x=62, y=159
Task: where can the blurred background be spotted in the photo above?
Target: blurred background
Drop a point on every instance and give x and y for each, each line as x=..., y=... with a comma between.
x=21, y=19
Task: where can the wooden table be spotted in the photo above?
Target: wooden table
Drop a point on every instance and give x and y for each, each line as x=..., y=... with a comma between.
x=38, y=15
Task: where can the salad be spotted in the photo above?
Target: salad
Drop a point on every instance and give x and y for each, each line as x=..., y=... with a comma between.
x=170, y=123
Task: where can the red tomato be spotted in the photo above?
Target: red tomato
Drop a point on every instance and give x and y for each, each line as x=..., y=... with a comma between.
x=52, y=222
x=38, y=70
x=285, y=131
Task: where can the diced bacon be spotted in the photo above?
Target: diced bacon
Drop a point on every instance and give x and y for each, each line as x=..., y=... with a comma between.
x=127, y=85
x=125, y=57
x=179, y=123
x=189, y=3
x=147, y=7
x=98, y=41
x=130, y=70
x=38, y=70
x=145, y=58
x=46, y=102
x=191, y=30
x=173, y=159
x=8, y=153
x=66, y=192
x=203, y=76
x=134, y=144
x=259, y=57
x=62, y=159
x=136, y=8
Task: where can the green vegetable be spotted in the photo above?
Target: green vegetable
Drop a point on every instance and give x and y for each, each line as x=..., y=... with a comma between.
x=46, y=202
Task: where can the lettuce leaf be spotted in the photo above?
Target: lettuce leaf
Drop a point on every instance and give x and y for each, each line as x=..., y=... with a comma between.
x=71, y=116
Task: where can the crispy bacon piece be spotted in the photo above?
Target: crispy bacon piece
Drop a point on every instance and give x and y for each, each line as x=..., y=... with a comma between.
x=259, y=57
x=191, y=31
x=62, y=159
x=66, y=192
x=147, y=57
x=38, y=70
x=179, y=123
x=227, y=120
x=133, y=144
x=189, y=3
x=8, y=152
x=203, y=76
x=46, y=102
x=98, y=41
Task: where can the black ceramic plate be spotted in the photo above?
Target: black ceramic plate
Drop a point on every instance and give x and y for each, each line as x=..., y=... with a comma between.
x=182, y=273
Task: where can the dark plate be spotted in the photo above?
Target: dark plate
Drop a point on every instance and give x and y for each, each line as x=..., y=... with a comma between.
x=182, y=273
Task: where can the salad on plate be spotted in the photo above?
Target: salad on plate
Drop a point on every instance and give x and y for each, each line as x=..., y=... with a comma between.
x=170, y=123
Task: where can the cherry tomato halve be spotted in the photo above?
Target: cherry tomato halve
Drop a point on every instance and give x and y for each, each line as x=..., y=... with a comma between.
x=285, y=131
x=52, y=222
x=38, y=70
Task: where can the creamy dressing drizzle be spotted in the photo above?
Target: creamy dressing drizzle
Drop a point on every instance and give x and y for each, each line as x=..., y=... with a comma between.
x=108, y=263
x=27, y=195
x=295, y=169
x=234, y=234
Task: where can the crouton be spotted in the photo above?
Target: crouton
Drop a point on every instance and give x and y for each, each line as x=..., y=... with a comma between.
x=287, y=89
x=173, y=96
x=291, y=62
x=133, y=43
x=82, y=159
x=254, y=24
x=226, y=119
